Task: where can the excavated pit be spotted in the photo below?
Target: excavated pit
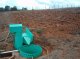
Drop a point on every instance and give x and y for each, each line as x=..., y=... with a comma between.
x=7, y=44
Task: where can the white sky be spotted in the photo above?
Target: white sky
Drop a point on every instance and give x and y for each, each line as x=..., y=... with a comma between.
x=39, y=4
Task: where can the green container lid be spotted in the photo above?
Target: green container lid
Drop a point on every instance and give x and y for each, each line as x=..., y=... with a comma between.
x=15, y=28
x=29, y=51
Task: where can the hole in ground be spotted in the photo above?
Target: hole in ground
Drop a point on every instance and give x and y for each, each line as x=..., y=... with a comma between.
x=47, y=48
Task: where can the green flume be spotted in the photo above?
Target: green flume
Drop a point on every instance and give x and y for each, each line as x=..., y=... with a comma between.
x=28, y=50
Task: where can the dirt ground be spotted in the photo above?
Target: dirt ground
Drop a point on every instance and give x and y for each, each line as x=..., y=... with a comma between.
x=57, y=31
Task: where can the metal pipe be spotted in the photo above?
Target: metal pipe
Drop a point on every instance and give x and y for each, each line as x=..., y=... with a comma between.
x=7, y=53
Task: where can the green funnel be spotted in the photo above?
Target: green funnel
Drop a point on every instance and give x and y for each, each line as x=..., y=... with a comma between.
x=29, y=51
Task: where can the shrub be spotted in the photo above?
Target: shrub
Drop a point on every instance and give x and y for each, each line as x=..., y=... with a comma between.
x=7, y=8
x=39, y=31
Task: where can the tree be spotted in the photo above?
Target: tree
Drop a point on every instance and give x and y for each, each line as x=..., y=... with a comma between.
x=24, y=8
x=14, y=8
x=7, y=8
x=1, y=9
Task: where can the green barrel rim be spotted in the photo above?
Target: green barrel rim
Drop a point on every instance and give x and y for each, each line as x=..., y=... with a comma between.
x=29, y=51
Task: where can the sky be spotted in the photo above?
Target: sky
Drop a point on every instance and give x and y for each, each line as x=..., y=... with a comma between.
x=40, y=4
